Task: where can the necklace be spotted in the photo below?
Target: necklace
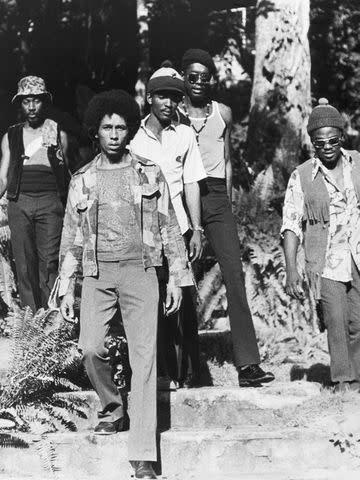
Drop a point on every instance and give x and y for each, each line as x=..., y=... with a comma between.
x=197, y=130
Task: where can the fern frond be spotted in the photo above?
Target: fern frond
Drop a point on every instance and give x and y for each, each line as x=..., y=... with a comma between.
x=47, y=454
x=11, y=441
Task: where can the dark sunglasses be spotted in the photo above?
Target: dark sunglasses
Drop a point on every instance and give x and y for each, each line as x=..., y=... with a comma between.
x=333, y=142
x=194, y=77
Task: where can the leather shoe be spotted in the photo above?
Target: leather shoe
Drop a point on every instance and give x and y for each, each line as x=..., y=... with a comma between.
x=109, y=428
x=143, y=469
x=191, y=381
x=254, y=376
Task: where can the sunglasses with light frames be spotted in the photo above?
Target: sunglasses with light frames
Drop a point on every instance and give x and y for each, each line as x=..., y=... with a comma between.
x=333, y=142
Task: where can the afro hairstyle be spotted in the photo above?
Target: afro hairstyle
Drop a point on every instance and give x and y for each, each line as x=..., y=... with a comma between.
x=108, y=103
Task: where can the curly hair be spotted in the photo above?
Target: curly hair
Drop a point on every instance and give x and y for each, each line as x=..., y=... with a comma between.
x=108, y=103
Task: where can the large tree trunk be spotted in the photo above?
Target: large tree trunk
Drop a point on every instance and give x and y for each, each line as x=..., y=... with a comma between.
x=280, y=100
x=142, y=13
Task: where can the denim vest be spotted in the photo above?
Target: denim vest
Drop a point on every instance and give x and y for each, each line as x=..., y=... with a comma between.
x=16, y=146
x=317, y=217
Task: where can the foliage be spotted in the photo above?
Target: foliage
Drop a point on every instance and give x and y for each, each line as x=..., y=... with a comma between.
x=335, y=49
x=44, y=356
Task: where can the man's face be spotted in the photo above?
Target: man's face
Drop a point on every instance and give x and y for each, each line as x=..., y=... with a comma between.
x=327, y=143
x=197, y=79
x=163, y=104
x=33, y=109
x=113, y=135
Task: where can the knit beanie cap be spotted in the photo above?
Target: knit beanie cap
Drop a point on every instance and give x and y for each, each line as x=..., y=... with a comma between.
x=324, y=115
x=197, y=55
x=166, y=78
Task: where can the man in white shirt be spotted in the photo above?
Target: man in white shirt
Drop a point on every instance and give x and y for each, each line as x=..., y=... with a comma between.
x=173, y=147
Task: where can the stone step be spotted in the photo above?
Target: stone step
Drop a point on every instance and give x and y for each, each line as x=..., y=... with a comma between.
x=217, y=407
x=216, y=454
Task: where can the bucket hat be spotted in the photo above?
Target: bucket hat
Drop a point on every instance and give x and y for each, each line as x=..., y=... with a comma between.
x=31, y=85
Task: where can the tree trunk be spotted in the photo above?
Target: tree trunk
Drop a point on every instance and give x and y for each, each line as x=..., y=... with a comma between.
x=280, y=100
x=142, y=13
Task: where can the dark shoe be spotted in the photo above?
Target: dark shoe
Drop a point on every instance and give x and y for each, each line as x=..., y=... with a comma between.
x=254, y=376
x=191, y=381
x=109, y=428
x=143, y=469
x=165, y=384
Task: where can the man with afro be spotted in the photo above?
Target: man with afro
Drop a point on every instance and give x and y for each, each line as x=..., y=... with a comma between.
x=119, y=226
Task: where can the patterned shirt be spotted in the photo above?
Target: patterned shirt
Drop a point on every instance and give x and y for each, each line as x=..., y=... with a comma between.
x=119, y=234
x=344, y=226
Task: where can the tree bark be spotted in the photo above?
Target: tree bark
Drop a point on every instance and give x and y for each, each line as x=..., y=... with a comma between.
x=142, y=12
x=280, y=100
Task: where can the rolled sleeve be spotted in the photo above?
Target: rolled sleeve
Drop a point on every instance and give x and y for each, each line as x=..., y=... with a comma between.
x=194, y=170
x=293, y=210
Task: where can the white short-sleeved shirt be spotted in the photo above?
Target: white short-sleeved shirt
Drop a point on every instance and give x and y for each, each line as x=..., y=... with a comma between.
x=177, y=155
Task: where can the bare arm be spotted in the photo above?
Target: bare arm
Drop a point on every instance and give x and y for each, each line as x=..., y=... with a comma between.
x=192, y=199
x=226, y=114
x=293, y=279
x=4, y=166
x=70, y=151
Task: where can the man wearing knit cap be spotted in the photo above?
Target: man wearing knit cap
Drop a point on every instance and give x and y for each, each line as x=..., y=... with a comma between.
x=321, y=211
x=34, y=173
x=173, y=147
x=212, y=122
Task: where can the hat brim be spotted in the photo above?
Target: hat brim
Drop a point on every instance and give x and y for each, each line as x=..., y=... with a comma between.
x=167, y=89
x=18, y=96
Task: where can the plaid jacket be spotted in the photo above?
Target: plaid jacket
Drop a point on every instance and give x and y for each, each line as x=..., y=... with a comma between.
x=161, y=236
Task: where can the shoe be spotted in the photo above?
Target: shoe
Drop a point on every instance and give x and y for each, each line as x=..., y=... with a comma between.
x=254, y=376
x=143, y=469
x=165, y=384
x=191, y=381
x=109, y=428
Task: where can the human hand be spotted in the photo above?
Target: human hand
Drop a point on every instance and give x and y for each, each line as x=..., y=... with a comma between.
x=67, y=307
x=173, y=298
x=195, y=246
x=293, y=284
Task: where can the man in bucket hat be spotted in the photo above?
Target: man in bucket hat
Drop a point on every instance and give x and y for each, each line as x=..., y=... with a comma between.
x=321, y=210
x=34, y=173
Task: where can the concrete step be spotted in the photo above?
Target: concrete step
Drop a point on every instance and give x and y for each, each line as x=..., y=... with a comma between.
x=217, y=407
x=218, y=453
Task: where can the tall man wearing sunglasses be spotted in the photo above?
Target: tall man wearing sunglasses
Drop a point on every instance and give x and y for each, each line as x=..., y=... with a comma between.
x=322, y=210
x=211, y=122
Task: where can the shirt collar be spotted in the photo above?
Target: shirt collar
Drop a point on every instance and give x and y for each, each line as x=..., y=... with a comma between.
x=318, y=166
x=171, y=126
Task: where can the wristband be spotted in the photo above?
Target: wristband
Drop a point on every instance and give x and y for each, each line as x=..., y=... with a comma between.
x=198, y=228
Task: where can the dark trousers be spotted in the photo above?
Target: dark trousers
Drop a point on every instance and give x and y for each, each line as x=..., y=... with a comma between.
x=35, y=223
x=340, y=304
x=178, y=342
x=178, y=335
x=221, y=231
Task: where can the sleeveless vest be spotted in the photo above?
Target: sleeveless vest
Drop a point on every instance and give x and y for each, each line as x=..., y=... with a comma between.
x=211, y=140
x=317, y=217
x=16, y=146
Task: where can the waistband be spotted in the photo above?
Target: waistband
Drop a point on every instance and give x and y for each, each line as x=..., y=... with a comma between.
x=214, y=181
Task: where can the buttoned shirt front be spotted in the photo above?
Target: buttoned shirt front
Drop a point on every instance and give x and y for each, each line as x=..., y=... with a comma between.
x=344, y=225
x=178, y=156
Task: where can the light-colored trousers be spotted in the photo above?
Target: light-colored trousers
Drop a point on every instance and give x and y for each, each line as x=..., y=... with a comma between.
x=341, y=309
x=136, y=291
